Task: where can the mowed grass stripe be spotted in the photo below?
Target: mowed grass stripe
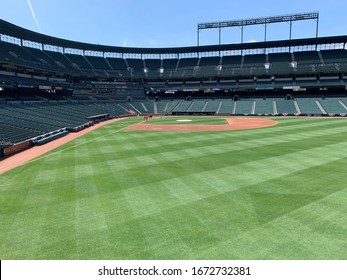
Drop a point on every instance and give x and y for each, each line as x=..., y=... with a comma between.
x=196, y=205
x=235, y=218
x=170, y=156
x=185, y=163
x=147, y=153
x=237, y=178
x=147, y=160
x=315, y=230
x=222, y=180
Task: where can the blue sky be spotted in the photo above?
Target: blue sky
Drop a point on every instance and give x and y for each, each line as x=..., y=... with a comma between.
x=163, y=23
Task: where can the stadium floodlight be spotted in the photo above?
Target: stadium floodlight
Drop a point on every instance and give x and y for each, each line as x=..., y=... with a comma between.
x=161, y=70
x=265, y=21
x=145, y=70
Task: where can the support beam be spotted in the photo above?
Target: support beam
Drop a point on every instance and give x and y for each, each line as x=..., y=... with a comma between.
x=220, y=36
x=242, y=27
x=317, y=26
x=198, y=38
x=265, y=37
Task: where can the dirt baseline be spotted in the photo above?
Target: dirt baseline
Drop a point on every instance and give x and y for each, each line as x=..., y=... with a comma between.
x=233, y=124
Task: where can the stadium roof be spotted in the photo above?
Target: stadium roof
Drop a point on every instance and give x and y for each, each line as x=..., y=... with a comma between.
x=12, y=30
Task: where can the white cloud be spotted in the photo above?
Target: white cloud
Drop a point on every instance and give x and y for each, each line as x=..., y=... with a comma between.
x=34, y=16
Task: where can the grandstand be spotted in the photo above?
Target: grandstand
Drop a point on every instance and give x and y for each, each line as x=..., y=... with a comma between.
x=60, y=85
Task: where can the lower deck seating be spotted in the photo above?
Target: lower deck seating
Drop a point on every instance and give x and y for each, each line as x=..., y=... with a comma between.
x=244, y=107
x=226, y=107
x=182, y=106
x=333, y=106
x=264, y=106
x=212, y=106
x=20, y=122
x=197, y=106
x=308, y=106
x=286, y=106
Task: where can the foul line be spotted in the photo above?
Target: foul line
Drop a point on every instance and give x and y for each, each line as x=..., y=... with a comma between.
x=74, y=146
x=19, y=159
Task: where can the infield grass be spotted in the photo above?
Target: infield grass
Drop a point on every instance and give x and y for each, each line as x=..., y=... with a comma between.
x=272, y=193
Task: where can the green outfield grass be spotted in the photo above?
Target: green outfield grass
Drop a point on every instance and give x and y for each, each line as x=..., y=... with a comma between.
x=272, y=193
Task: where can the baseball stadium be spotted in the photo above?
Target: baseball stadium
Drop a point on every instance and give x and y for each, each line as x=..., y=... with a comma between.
x=226, y=151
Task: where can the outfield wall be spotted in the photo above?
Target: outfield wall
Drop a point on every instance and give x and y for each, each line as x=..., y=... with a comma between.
x=14, y=149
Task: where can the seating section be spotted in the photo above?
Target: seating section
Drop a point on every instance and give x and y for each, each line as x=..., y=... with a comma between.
x=197, y=106
x=226, y=107
x=308, y=106
x=98, y=63
x=285, y=106
x=62, y=63
x=280, y=63
x=333, y=56
x=166, y=106
x=22, y=122
x=182, y=106
x=12, y=134
x=148, y=107
x=244, y=107
x=264, y=107
x=256, y=60
x=188, y=63
x=153, y=67
x=232, y=61
x=333, y=106
x=117, y=64
x=79, y=62
x=169, y=67
x=23, y=56
x=212, y=106
x=307, y=57
x=203, y=67
x=162, y=106
x=135, y=67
